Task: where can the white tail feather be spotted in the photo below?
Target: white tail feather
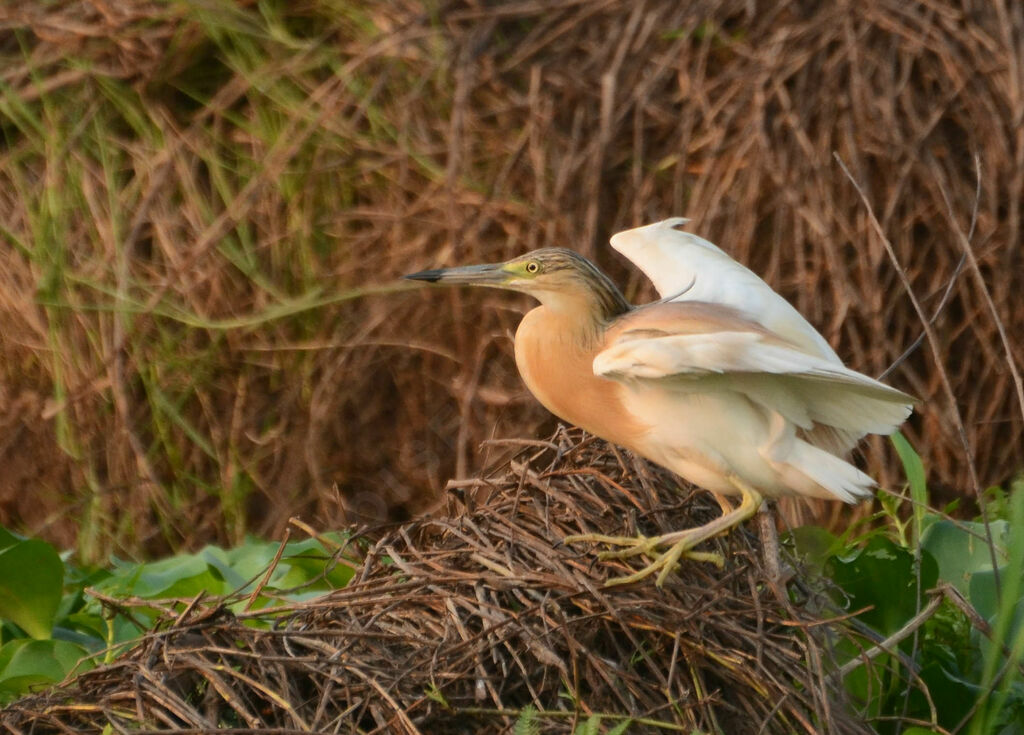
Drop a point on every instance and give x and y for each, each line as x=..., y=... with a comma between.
x=838, y=478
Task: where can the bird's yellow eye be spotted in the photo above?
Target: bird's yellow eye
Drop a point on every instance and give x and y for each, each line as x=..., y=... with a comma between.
x=532, y=267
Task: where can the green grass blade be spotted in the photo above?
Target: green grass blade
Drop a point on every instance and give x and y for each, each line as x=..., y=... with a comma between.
x=913, y=468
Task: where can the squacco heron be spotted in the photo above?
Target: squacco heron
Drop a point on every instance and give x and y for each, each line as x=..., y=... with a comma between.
x=695, y=386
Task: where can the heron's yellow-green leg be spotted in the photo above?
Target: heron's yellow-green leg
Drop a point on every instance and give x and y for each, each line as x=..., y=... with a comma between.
x=679, y=543
x=723, y=502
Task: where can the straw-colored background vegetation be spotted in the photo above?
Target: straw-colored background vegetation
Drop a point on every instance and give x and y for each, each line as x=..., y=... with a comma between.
x=204, y=207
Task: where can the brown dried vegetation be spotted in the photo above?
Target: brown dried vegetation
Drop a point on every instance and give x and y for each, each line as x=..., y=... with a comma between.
x=205, y=205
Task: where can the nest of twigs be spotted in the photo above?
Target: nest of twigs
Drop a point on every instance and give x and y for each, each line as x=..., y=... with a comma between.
x=481, y=621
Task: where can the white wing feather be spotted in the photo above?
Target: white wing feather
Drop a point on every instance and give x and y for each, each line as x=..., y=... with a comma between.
x=685, y=267
x=806, y=389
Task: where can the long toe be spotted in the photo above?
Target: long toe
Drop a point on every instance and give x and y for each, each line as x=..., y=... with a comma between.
x=627, y=546
x=642, y=547
x=598, y=538
x=664, y=563
x=637, y=576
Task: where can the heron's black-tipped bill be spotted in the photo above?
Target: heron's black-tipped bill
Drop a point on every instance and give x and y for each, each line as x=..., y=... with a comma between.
x=481, y=275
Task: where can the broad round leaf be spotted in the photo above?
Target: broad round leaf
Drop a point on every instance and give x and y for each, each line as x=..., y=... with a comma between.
x=961, y=550
x=31, y=583
x=26, y=663
x=882, y=578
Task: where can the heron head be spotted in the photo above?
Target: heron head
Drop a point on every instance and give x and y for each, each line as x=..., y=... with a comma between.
x=551, y=275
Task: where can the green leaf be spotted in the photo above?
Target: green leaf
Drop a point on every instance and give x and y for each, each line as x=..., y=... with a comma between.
x=882, y=577
x=309, y=568
x=913, y=467
x=960, y=549
x=185, y=575
x=982, y=592
x=7, y=538
x=235, y=578
x=1014, y=626
x=592, y=726
x=31, y=584
x=814, y=545
x=302, y=562
x=527, y=722
x=26, y=663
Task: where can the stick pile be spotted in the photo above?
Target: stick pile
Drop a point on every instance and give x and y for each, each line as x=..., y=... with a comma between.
x=480, y=620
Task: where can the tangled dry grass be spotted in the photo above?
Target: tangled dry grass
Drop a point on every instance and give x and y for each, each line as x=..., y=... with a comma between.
x=200, y=202
x=463, y=622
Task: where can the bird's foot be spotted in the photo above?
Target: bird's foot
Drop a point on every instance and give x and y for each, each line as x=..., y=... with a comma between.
x=680, y=544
